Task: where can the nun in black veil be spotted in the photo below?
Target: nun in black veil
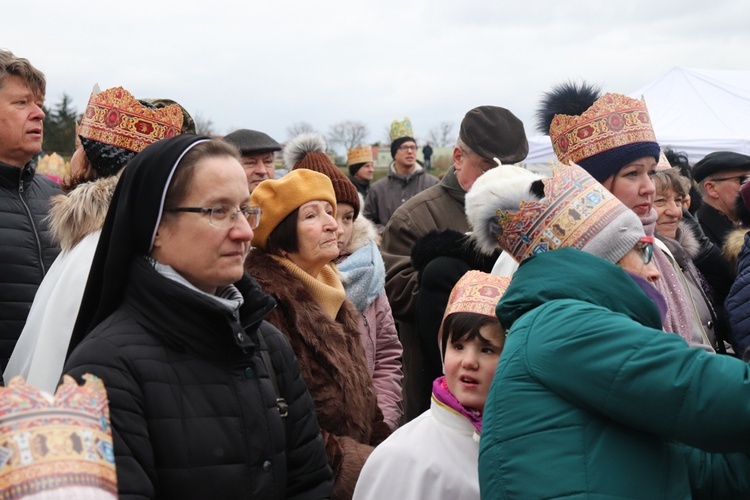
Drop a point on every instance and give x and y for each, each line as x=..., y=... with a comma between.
x=206, y=397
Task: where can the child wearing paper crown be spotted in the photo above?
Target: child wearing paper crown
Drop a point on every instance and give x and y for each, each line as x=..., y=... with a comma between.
x=435, y=455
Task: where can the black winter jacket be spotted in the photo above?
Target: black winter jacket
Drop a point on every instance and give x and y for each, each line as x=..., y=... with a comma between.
x=26, y=249
x=193, y=410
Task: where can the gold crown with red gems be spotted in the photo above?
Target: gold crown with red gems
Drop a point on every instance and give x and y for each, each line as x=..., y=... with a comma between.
x=117, y=118
x=359, y=154
x=613, y=120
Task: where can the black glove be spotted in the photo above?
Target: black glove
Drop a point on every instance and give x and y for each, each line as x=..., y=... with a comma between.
x=450, y=243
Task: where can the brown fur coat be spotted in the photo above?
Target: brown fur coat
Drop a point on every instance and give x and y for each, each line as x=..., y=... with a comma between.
x=332, y=361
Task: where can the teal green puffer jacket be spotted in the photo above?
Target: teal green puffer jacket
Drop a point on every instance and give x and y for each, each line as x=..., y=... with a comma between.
x=592, y=400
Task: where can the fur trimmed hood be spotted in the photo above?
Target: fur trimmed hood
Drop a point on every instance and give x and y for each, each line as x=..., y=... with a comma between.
x=81, y=212
x=363, y=233
x=733, y=245
x=688, y=240
x=503, y=187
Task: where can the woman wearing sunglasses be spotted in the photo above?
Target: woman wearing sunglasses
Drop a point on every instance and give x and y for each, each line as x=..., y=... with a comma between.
x=206, y=397
x=590, y=399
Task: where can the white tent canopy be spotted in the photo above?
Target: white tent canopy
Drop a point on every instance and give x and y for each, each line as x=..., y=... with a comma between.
x=696, y=111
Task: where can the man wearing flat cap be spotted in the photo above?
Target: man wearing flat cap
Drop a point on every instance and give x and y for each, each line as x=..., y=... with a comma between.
x=257, y=150
x=425, y=246
x=719, y=176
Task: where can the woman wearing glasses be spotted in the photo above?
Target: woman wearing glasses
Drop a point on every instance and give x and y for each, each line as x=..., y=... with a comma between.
x=291, y=260
x=206, y=398
x=589, y=398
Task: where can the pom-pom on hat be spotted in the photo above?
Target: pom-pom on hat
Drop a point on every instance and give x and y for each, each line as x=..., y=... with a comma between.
x=308, y=151
x=494, y=132
x=612, y=131
x=574, y=210
x=279, y=198
x=720, y=161
x=252, y=142
x=116, y=126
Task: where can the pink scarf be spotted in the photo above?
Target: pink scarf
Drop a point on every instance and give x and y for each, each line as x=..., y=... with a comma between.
x=679, y=313
x=441, y=392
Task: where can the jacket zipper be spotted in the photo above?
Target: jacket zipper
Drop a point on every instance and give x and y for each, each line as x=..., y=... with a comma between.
x=33, y=226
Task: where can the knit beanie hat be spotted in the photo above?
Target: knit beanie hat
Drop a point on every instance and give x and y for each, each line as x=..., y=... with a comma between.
x=116, y=126
x=308, y=151
x=524, y=215
x=279, y=198
x=720, y=161
x=494, y=132
x=601, y=134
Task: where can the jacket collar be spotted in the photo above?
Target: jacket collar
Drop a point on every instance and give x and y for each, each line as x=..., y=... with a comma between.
x=11, y=175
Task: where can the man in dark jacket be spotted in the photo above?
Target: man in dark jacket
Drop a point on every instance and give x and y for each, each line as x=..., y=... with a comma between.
x=424, y=245
x=26, y=250
x=257, y=150
x=719, y=176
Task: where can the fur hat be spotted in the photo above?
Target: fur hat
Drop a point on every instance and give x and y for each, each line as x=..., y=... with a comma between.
x=252, y=142
x=494, y=132
x=601, y=134
x=279, y=198
x=308, y=151
x=720, y=161
x=524, y=216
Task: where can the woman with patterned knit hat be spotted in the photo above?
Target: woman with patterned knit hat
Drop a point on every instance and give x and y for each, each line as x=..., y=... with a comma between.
x=115, y=127
x=291, y=259
x=363, y=275
x=590, y=399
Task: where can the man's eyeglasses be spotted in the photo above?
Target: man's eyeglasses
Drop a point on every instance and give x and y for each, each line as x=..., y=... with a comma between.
x=223, y=216
x=407, y=147
x=646, y=247
x=741, y=178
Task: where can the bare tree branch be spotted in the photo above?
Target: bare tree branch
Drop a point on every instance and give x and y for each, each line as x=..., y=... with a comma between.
x=298, y=128
x=203, y=125
x=442, y=135
x=347, y=134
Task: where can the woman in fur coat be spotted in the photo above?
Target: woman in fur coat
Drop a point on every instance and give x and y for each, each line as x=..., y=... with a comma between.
x=293, y=247
x=363, y=276
x=76, y=221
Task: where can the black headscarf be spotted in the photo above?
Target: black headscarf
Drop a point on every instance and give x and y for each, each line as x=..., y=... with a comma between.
x=133, y=216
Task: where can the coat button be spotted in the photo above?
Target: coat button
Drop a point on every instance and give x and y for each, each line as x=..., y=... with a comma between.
x=249, y=373
x=267, y=465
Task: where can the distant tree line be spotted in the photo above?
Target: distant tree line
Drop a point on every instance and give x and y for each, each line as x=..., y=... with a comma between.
x=60, y=127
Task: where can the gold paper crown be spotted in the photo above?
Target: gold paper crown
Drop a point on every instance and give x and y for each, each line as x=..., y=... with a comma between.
x=359, y=154
x=401, y=129
x=574, y=210
x=53, y=165
x=115, y=117
x=477, y=292
x=58, y=443
x=614, y=120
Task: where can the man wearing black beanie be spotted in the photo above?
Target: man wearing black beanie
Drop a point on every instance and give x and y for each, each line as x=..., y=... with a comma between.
x=405, y=177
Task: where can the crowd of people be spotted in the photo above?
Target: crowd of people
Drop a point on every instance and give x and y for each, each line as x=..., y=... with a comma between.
x=242, y=332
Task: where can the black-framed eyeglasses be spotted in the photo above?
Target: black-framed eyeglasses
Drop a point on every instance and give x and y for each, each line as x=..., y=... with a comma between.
x=646, y=248
x=741, y=178
x=223, y=216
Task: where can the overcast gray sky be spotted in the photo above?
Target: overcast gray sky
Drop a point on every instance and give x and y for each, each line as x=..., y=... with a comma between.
x=266, y=65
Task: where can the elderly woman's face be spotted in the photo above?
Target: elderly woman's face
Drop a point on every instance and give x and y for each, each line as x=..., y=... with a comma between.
x=316, y=232
x=668, y=206
x=635, y=261
x=207, y=256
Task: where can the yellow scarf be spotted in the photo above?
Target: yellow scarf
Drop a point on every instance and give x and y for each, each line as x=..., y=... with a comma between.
x=326, y=287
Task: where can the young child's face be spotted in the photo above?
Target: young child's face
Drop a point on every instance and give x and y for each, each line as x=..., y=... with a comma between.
x=470, y=366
